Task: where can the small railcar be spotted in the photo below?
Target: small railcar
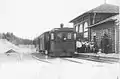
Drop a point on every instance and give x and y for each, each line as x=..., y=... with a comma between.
x=58, y=42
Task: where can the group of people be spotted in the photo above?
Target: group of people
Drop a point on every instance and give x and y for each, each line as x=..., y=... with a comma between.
x=86, y=47
x=92, y=47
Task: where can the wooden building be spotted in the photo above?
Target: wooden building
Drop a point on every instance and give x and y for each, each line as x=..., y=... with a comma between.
x=97, y=22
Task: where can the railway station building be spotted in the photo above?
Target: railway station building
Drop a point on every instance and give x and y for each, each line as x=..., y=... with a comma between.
x=101, y=21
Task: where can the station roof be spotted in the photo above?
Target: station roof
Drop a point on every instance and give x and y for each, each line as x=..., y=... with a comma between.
x=113, y=18
x=104, y=8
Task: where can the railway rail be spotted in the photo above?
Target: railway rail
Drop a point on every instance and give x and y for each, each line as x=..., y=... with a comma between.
x=75, y=59
x=42, y=60
x=72, y=60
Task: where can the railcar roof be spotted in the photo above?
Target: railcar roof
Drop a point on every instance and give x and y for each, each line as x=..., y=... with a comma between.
x=63, y=29
x=104, y=8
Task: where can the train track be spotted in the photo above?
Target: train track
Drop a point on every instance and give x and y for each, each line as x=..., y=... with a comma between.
x=99, y=59
x=68, y=59
x=84, y=57
x=42, y=60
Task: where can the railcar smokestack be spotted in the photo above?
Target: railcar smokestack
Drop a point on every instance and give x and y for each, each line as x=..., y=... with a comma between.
x=61, y=25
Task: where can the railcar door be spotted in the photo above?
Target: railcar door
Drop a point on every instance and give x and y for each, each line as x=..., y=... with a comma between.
x=69, y=43
x=62, y=43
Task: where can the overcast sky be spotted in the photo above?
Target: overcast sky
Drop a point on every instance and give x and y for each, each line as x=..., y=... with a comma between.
x=30, y=18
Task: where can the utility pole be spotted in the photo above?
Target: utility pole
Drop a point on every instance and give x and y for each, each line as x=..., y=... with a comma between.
x=117, y=34
x=118, y=24
x=104, y=1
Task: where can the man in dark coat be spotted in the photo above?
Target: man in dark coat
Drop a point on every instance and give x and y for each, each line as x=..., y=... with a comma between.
x=105, y=44
x=95, y=48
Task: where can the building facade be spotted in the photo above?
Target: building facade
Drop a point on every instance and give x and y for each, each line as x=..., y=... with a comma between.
x=96, y=23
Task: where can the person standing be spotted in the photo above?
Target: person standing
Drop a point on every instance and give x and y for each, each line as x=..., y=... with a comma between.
x=91, y=47
x=95, y=48
x=79, y=45
x=87, y=47
x=105, y=44
x=83, y=47
x=102, y=44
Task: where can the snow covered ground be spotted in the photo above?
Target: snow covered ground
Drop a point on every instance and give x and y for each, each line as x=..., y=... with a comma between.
x=6, y=45
x=12, y=67
x=22, y=66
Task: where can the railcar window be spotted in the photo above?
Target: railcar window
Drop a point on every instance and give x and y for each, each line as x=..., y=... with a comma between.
x=52, y=36
x=69, y=36
x=59, y=35
x=74, y=35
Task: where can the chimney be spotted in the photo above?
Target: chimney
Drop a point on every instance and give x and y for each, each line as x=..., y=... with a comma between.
x=61, y=25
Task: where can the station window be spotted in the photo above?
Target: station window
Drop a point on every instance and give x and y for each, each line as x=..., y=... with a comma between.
x=77, y=29
x=85, y=26
x=81, y=28
x=59, y=35
x=85, y=34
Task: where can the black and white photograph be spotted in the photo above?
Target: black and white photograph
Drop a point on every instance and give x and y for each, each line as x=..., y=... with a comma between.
x=59, y=39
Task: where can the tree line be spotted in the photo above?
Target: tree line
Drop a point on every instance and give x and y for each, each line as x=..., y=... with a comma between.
x=14, y=39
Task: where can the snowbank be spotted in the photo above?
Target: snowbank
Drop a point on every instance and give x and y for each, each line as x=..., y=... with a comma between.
x=6, y=46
